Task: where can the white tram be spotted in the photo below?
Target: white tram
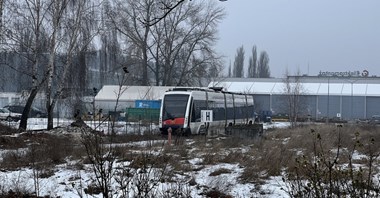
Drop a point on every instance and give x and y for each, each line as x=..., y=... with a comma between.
x=181, y=110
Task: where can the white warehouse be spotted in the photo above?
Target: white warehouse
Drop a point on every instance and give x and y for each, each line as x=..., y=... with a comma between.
x=346, y=98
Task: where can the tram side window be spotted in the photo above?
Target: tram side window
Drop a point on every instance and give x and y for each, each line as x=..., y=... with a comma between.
x=197, y=107
x=219, y=111
x=230, y=108
x=239, y=111
x=230, y=113
x=250, y=111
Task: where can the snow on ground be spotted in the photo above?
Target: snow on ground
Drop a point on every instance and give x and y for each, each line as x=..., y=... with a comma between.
x=269, y=125
x=67, y=182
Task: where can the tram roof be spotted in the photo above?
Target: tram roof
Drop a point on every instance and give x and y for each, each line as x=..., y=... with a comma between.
x=310, y=85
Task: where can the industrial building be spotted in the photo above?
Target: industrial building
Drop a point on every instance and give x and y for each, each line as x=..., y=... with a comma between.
x=345, y=97
x=335, y=97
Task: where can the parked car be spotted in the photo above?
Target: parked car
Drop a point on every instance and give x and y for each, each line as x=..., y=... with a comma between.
x=5, y=114
x=34, y=112
x=375, y=119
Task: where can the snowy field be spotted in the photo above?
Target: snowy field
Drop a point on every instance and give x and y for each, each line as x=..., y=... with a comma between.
x=69, y=182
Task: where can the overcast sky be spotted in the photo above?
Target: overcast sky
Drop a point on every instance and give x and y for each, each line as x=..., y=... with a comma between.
x=312, y=35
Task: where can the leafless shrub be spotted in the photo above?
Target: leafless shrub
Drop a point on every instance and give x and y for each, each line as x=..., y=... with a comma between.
x=13, y=160
x=211, y=158
x=220, y=171
x=236, y=142
x=125, y=138
x=101, y=157
x=180, y=151
x=7, y=130
x=17, y=187
x=142, y=175
x=235, y=157
x=8, y=142
x=322, y=173
x=93, y=189
x=210, y=151
x=268, y=161
x=216, y=193
x=176, y=189
x=36, y=148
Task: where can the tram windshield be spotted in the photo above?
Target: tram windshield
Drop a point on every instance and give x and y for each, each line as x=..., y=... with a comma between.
x=174, y=106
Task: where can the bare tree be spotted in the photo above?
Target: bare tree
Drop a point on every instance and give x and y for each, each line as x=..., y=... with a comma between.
x=293, y=91
x=57, y=11
x=178, y=49
x=252, y=68
x=263, y=65
x=230, y=71
x=166, y=8
x=127, y=17
x=44, y=33
x=26, y=18
x=68, y=42
x=185, y=48
x=239, y=63
x=1, y=36
x=1, y=18
x=102, y=158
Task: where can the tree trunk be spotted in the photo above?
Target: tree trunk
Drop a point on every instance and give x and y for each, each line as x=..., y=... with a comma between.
x=25, y=113
x=50, y=116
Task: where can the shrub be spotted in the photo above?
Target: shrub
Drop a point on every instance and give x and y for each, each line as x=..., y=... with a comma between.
x=324, y=174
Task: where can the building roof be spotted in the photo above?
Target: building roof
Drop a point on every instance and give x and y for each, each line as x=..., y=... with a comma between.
x=310, y=85
x=130, y=93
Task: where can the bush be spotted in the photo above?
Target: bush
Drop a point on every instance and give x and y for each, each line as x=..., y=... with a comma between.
x=328, y=170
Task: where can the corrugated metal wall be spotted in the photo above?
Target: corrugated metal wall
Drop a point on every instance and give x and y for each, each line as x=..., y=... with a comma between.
x=347, y=107
x=372, y=106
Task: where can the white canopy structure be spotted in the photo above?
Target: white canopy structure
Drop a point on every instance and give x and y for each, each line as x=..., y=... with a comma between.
x=311, y=86
x=130, y=93
x=125, y=96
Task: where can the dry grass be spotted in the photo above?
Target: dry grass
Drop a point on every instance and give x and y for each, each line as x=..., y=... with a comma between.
x=220, y=171
x=40, y=148
x=270, y=155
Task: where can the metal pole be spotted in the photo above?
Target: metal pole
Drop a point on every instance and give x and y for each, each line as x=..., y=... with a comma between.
x=169, y=136
x=328, y=99
x=352, y=97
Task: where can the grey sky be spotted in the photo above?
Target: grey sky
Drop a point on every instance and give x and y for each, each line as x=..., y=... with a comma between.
x=312, y=35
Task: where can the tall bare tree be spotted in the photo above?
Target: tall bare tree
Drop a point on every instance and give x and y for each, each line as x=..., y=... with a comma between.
x=230, y=71
x=67, y=23
x=26, y=36
x=1, y=18
x=40, y=32
x=127, y=17
x=178, y=49
x=263, y=65
x=239, y=63
x=56, y=12
x=293, y=91
x=1, y=38
x=187, y=45
x=252, y=67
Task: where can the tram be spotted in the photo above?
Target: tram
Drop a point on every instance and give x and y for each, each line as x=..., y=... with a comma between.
x=181, y=110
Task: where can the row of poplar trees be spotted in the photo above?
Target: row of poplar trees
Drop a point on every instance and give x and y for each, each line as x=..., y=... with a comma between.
x=257, y=67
